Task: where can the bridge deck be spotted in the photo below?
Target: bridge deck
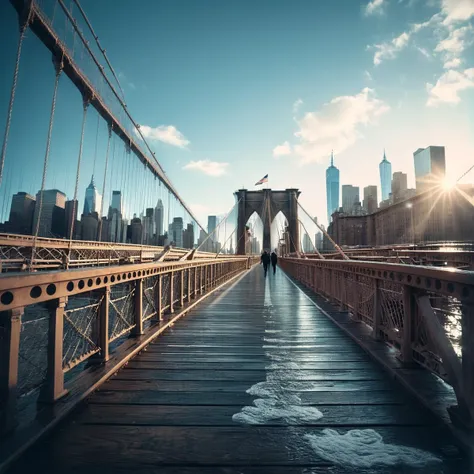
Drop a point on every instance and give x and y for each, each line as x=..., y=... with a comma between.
x=183, y=406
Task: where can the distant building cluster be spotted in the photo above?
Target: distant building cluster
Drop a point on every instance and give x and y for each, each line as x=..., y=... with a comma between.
x=50, y=214
x=404, y=215
x=429, y=169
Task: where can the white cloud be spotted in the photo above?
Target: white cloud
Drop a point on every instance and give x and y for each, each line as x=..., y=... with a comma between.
x=457, y=10
x=374, y=7
x=336, y=125
x=390, y=49
x=448, y=87
x=456, y=41
x=211, y=168
x=452, y=64
x=166, y=134
x=297, y=104
x=282, y=150
x=368, y=76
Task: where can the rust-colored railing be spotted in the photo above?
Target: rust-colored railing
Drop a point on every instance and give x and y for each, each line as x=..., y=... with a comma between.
x=57, y=326
x=25, y=253
x=426, y=313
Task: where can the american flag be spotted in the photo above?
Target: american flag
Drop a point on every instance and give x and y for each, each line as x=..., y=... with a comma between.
x=263, y=180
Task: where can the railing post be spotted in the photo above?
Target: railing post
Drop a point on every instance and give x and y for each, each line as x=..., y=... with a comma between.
x=54, y=386
x=181, y=288
x=104, y=326
x=189, y=284
x=195, y=281
x=10, y=330
x=159, y=291
x=376, y=311
x=356, y=298
x=138, y=309
x=406, y=353
x=171, y=290
x=467, y=324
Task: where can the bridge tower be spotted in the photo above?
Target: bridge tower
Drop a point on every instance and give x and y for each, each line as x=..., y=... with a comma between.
x=267, y=204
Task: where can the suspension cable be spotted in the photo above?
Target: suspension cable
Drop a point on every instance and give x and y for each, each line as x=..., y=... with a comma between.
x=124, y=107
x=311, y=240
x=217, y=226
x=102, y=50
x=79, y=160
x=23, y=28
x=59, y=68
x=338, y=249
x=103, y=185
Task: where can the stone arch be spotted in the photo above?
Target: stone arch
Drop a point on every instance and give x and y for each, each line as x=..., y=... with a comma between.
x=267, y=204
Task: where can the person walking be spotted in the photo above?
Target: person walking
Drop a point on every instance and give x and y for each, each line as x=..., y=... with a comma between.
x=274, y=259
x=265, y=260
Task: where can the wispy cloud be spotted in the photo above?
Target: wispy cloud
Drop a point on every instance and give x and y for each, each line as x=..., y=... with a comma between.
x=165, y=133
x=374, y=7
x=424, y=52
x=282, y=150
x=448, y=87
x=454, y=45
x=390, y=49
x=211, y=168
x=452, y=63
x=368, y=76
x=296, y=105
x=337, y=125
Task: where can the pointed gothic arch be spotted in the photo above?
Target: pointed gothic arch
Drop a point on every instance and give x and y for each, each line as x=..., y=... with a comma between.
x=267, y=204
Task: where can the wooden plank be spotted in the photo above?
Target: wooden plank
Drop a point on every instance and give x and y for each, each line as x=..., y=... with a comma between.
x=82, y=447
x=258, y=365
x=150, y=397
x=237, y=386
x=334, y=416
x=250, y=375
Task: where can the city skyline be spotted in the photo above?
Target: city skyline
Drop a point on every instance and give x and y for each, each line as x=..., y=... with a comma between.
x=382, y=86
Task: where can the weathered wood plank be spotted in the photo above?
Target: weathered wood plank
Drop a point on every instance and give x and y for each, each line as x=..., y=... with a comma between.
x=155, y=415
x=150, y=397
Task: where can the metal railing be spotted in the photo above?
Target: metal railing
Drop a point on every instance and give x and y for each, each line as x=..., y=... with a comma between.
x=22, y=253
x=55, y=326
x=425, y=313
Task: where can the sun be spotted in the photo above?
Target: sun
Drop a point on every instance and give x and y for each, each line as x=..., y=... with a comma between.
x=448, y=184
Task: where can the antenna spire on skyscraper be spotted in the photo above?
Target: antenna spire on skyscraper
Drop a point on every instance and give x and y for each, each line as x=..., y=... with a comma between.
x=332, y=157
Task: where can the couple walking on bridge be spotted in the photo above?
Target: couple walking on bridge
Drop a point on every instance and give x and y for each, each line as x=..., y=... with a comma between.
x=266, y=258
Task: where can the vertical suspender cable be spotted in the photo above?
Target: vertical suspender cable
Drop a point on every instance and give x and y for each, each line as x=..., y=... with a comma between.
x=79, y=160
x=103, y=184
x=23, y=29
x=59, y=68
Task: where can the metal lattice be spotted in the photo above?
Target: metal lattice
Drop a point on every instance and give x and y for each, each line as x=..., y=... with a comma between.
x=33, y=356
x=121, y=310
x=165, y=291
x=176, y=287
x=185, y=283
x=365, y=298
x=391, y=304
x=150, y=288
x=81, y=323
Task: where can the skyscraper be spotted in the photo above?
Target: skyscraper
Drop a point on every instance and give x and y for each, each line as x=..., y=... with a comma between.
x=385, y=169
x=370, y=199
x=332, y=188
x=48, y=200
x=176, y=232
x=430, y=167
x=350, y=197
x=211, y=223
x=399, y=186
x=92, y=199
x=116, y=201
x=21, y=213
x=159, y=213
x=188, y=237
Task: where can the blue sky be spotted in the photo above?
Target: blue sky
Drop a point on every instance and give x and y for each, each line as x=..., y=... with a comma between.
x=230, y=91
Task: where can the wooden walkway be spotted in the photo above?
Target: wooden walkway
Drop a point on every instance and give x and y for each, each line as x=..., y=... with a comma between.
x=255, y=380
